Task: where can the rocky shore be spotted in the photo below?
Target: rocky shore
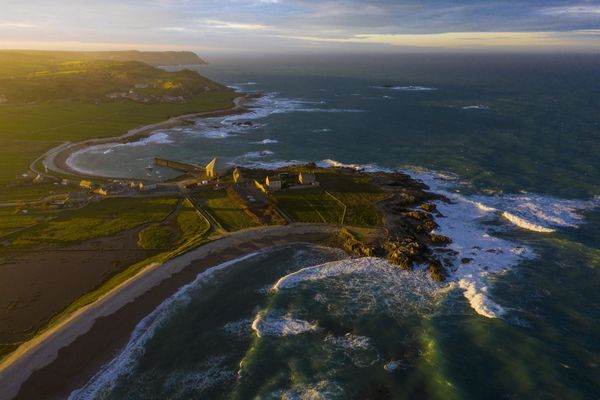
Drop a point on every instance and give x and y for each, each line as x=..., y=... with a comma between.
x=408, y=237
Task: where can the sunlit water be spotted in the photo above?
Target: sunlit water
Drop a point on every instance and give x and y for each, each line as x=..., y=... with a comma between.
x=513, y=143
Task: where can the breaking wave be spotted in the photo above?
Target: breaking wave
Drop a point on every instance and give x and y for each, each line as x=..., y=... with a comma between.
x=107, y=377
x=479, y=254
x=274, y=324
x=368, y=284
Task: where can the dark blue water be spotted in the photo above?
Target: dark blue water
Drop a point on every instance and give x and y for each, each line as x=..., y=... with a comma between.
x=520, y=138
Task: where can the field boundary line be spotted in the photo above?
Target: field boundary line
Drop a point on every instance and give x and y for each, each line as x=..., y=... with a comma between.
x=344, y=206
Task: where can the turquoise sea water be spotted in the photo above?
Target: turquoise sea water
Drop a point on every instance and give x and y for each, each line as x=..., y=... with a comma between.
x=513, y=140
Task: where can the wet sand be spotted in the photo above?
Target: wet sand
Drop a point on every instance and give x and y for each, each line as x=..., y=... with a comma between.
x=71, y=352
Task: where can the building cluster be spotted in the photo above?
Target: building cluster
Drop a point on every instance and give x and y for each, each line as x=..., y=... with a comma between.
x=116, y=187
x=277, y=182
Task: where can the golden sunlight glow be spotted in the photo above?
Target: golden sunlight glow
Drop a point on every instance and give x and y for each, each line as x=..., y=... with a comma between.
x=454, y=39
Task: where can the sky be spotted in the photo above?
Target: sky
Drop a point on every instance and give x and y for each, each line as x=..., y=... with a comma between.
x=297, y=26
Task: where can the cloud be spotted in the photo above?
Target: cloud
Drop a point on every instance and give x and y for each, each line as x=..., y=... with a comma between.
x=217, y=24
x=19, y=25
x=573, y=10
x=289, y=25
x=464, y=40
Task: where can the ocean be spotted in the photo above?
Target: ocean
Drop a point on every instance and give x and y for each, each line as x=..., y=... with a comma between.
x=512, y=140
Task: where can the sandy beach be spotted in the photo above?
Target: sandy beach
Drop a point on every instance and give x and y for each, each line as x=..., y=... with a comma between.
x=57, y=159
x=69, y=353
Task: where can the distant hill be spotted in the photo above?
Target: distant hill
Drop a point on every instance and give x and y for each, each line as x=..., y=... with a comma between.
x=27, y=76
x=155, y=58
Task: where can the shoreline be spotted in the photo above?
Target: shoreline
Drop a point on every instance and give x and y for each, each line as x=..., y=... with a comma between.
x=57, y=158
x=30, y=371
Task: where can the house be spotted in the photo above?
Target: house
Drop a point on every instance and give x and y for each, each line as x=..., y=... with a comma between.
x=307, y=179
x=146, y=186
x=102, y=191
x=149, y=186
x=260, y=186
x=86, y=184
x=210, y=168
x=113, y=188
x=237, y=176
x=273, y=183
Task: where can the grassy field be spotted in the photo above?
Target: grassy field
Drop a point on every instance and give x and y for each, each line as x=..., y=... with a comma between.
x=10, y=222
x=309, y=205
x=227, y=212
x=340, y=199
x=28, y=78
x=97, y=219
x=190, y=223
x=156, y=236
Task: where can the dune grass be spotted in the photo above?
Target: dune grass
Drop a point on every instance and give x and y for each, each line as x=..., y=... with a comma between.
x=10, y=222
x=191, y=223
x=103, y=218
x=156, y=236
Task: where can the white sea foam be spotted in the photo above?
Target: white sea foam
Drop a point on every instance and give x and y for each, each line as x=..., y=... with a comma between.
x=322, y=390
x=159, y=138
x=259, y=108
x=123, y=364
x=368, y=285
x=409, y=88
x=266, y=141
x=358, y=167
x=209, y=374
x=241, y=327
x=491, y=255
x=540, y=213
x=322, y=130
x=252, y=155
x=270, y=164
x=358, y=349
x=476, y=107
x=273, y=323
x=155, y=138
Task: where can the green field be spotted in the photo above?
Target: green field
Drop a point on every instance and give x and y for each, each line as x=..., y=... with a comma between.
x=360, y=208
x=190, y=223
x=309, y=205
x=227, y=212
x=347, y=199
x=26, y=78
x=10, y=222
x=156, y=236
x=103, y=218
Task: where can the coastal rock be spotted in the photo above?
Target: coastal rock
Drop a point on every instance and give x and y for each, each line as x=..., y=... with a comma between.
x=428, y=207
x=437, y=238
x=437, y=270
x=419, y=215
